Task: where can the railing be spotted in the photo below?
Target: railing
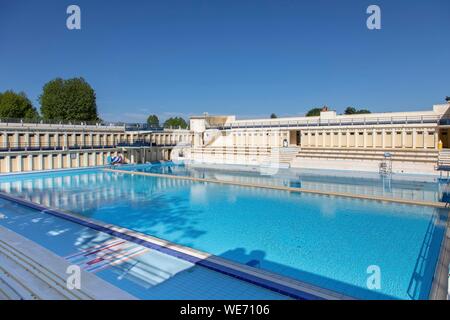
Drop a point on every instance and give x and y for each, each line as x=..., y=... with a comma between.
x=15, y=147
x=333, y=122
x=144, y=143
x=14, y=122
x=35, y=146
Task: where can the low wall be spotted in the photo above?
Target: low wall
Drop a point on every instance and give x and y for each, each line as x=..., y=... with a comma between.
x=363, y=165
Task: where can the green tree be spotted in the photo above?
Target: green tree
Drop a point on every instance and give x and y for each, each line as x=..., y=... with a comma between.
x=71, y=99
x=315, y=112
x=176, y=122
x=273, y=116
x=351, y=110
x=16, y=105
x=153, y=120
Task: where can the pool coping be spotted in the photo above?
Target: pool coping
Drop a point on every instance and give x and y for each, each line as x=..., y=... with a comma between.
x=263, y=278
x=282, y=188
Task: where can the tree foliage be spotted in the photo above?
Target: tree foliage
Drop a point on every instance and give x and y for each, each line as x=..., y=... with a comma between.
x=352, y=110
x=175, y=122
x=153, y=120
x=71, y=99
x=314, y=112
x=273, y=116
x=16, y=105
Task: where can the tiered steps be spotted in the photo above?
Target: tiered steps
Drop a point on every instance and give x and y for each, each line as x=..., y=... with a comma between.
x=444, y=160
x=23, y=278
x=31, y=272
x=405, y=155
x=281, y=157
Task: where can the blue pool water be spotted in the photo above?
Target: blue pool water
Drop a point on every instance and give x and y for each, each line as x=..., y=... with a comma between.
x=148, y=275
x=410, y=187
x=326, y=241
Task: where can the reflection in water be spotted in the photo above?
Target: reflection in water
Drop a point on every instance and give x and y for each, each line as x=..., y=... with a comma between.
x=309, y=237
x=425, y=188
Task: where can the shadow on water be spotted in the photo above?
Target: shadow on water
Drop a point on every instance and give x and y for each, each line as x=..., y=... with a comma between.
x=418, y=287
x=150, y=275
x=257, y=259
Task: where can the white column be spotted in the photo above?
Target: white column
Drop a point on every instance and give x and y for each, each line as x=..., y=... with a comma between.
x=30, y=162
x=16, y=139
x=436, y=139
x=78, y=159
x=403, y=138
x=60, y=160
x=50, y=161
x=374, y=138
x=5, y=139
x=393, y=133
x=27, y=139
x=414, y=138
x=19, y=163
x=69, y=160
x=364, y=138
x=40, y=162
x=383, y=138
x=339, y=142
x=86, y=159
x=47, y=139
x=8, y=163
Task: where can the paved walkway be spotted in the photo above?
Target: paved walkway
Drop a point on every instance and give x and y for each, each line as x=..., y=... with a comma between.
x=31, y=272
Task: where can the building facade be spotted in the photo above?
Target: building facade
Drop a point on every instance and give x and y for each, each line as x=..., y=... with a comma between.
x=413, y=141
x=39, y=146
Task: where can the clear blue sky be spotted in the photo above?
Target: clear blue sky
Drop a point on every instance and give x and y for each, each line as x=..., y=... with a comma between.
x=248, y=58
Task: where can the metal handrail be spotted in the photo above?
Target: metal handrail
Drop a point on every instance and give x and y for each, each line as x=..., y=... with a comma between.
x=316, y=121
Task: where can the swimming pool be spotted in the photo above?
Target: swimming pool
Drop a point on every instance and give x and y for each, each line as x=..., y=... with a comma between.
x=145, y=273
x=403, y=186
x=327, y=241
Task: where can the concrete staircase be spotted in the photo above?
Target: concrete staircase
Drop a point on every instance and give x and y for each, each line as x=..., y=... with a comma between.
x=403, y=155
x=281, y=157
x=23, y=278
x=444, y=158
x=29, y=271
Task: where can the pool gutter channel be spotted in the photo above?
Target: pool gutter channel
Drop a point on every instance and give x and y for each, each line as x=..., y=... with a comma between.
x=439, y=288
x=266, y=279
x=282, y=188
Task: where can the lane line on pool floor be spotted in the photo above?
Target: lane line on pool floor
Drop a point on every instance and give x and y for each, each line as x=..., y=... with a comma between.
x=282, y=188
x=263, y=278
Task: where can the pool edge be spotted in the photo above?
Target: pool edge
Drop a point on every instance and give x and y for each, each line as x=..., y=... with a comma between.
x=266, y=279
